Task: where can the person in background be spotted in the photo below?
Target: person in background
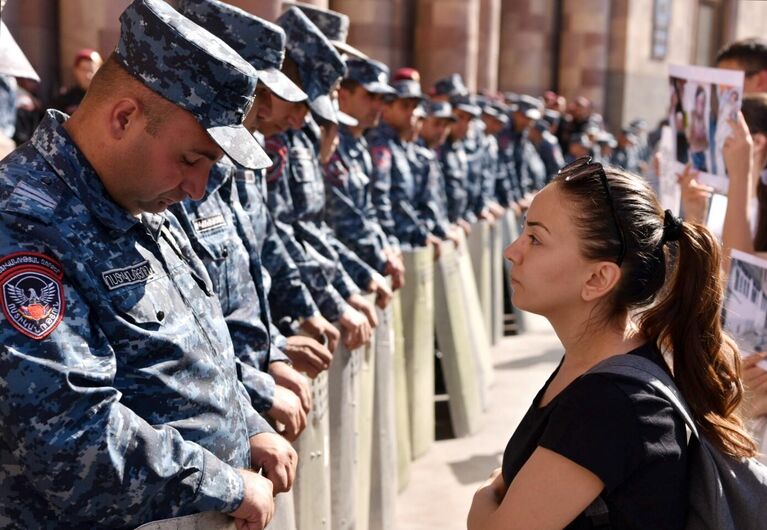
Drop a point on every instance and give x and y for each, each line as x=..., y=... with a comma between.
x=86, y=64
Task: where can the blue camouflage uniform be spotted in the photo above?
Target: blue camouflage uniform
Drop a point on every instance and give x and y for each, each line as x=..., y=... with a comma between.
x=474, y=147
x=296, y=195
x=349, y=206
x=431, y=201
x=394, y=178
x=136, y=412
x=529, y=167
x=262, y=44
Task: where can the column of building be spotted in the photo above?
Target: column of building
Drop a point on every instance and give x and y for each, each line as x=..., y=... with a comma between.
x=489, y=44
x=447, y=39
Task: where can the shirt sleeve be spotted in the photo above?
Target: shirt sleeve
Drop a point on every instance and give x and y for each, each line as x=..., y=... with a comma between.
x=86, y=452
x=594, y=424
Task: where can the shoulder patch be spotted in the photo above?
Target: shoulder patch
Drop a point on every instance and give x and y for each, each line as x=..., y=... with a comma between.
x=31, y=293
x=334, y=171
x=278, y=152
x=381, y=156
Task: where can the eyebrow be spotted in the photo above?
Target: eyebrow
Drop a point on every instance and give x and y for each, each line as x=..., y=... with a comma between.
x=207, y=154
x=537, y=223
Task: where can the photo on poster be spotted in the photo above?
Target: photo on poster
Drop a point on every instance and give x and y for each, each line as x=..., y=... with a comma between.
x=669, y=191
x=745, y=304
x=701, y=102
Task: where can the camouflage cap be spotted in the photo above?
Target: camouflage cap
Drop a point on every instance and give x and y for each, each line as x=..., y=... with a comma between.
x=372, y=75
x=408, y=89
x=420, y=112
x=440, y=109
x=195, y=70
x=493, y=109
x=451, y=85
x=319, y=64
x=529, y=106
x=332, y=24
x=343, y=118
x=258, y=41
x=466, y=103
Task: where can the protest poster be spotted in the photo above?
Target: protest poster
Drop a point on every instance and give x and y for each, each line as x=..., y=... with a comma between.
x=745, y=304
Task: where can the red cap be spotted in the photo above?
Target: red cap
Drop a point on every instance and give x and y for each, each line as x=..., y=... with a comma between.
x=87, y=54
x=409, y=74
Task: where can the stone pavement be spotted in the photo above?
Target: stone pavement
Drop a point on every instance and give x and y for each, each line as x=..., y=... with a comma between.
x=443, y=481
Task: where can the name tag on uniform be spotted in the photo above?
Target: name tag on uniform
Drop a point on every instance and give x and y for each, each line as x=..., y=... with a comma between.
x=209, y=223
x=127, y=275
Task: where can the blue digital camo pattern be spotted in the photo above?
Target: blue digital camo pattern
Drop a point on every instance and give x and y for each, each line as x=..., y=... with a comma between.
x=431, y=200
x=394, y=188
x=455, y=168
x=334, y=25
x=506, y=143
x=348, y=202
x=256, y=40
x=7, y=105
x=551, y=154
x=213, y=227
x=473, y=146
x=185, y=63
x=529, y=167
x=130, y=410
x=319, y=64
x=289, y=299
x=317, y=272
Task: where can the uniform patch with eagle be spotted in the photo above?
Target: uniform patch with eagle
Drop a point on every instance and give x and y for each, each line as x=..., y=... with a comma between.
x=31, y=293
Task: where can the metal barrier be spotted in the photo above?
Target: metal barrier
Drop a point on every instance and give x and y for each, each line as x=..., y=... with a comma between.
x=284, y=512
x=344, y=393
x=479, y=251
x=478, y=336
x=311, y=489
x=383, y=487
x=401, y=401
x=198, y=521
x=453, y=337
x=418, y=328
x=510, y=232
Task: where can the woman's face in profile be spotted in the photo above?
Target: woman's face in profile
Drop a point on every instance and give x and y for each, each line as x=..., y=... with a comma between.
x=548, y=271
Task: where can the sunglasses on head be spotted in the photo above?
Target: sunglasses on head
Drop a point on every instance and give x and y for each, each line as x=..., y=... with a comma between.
x=584, y=167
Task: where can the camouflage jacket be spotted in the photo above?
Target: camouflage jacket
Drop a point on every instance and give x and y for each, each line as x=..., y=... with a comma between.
x=119, y=399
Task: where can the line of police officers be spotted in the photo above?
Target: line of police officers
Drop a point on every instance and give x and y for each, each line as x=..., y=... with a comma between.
x=175, y=254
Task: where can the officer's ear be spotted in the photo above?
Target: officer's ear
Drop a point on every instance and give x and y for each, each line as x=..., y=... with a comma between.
x=125, y=114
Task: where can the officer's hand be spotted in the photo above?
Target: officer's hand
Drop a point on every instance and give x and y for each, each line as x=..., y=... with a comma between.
x=496, y=209
x=318, y=327
x=435, y=243
x=356, y=328
x=465, y=226
x=308, y=355
x=454, y=235
x=487, y=216
x=287, y=376
x=276, y=459
x=257, y=507
x=382, y=291
x=516, y=208
x=359, y=303
x=287, y=409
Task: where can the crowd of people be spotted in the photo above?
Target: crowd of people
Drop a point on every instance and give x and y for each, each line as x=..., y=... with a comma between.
x=194, y=231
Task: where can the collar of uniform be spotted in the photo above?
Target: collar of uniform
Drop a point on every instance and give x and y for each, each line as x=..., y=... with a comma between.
x=154, y=223
x=66, y=159
x=222, y=170
x=388, y=132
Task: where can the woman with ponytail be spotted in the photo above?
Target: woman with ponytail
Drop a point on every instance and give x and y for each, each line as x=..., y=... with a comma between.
x=615, y=275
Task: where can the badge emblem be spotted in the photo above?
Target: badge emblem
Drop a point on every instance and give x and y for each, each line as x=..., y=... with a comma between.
x=31, y=293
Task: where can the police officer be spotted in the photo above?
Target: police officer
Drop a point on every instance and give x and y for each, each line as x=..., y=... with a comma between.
x=547, y=146
x=136, y=413
x=496, y=182
x=296, y=189
x=452, y=154
x=221, y=234
x=530, y=169
x=349, y=207
x=393, y=177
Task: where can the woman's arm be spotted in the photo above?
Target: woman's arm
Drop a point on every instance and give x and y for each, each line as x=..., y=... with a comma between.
x=548, y=493
x=738, y=157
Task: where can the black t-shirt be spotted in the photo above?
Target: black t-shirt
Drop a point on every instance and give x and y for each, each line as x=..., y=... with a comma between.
x=625, y=433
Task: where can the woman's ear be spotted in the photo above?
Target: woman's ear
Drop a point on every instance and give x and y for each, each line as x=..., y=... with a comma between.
x=125, y=114
x=604, y=276
x=760, y=144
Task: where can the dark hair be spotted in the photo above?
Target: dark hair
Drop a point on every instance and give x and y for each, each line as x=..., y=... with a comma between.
x=750, y=53
x=349, y=84
x=754, y=110
x=675, y=289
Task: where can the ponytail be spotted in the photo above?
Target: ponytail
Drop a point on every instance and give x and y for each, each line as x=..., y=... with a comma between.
x=686, y=320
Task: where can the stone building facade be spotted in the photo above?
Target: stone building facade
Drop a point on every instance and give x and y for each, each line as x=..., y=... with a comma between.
x=616, y=52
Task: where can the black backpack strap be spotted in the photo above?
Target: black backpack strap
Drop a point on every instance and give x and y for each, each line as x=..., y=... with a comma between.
x=646, y=371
